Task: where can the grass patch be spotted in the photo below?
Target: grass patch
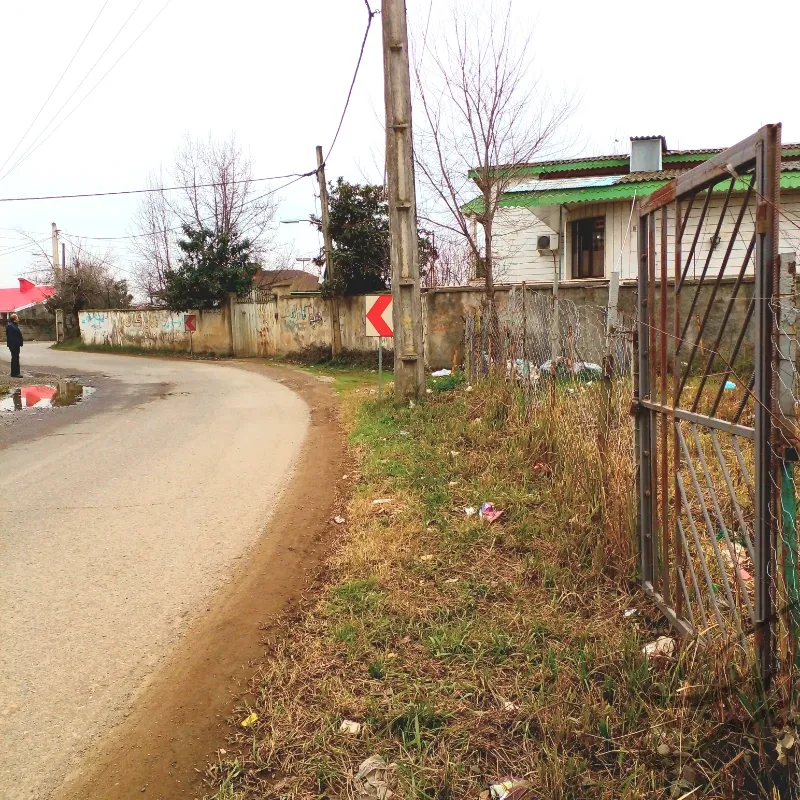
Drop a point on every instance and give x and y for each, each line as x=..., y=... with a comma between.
x=470, y=651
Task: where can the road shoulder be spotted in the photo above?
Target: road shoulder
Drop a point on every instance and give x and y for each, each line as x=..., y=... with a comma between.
x=162, y=747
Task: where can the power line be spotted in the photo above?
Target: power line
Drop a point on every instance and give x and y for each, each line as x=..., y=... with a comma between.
x=58, y=83
x=157, y=188
x=295, y=178
x=31, y=150
x=370, y=15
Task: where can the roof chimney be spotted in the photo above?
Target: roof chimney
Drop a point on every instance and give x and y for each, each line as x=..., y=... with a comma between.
x=646, y=152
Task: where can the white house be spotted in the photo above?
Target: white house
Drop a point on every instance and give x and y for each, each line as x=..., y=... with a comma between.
x=577, y=217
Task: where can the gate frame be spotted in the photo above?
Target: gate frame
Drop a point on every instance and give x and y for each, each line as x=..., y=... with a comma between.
x=762, y=152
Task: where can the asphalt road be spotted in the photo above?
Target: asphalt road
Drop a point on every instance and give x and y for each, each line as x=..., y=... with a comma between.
x=118, y=520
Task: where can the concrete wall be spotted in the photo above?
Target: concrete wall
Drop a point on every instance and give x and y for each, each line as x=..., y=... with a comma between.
x=36, y=323
x=294, y=324
x=157, y=329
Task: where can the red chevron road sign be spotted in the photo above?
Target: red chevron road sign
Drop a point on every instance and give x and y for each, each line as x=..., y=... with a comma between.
x=379, y=315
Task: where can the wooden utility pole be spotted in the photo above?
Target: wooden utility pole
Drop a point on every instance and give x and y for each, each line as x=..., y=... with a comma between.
x=336, y=338
x=409, y=362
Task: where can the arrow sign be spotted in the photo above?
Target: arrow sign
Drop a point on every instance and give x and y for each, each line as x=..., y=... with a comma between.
x=379, y=315
x=190, y=322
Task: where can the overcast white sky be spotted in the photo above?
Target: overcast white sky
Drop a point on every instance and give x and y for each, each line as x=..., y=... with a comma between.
x=276, y=74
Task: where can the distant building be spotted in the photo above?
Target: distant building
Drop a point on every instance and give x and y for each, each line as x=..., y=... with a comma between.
x=285, y=281
x=27, y=301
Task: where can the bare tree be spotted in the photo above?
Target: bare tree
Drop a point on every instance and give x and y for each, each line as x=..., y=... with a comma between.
x=154, y=244
x=218, y=193
x=484, y=115
x=450, y=265
x=87, y=280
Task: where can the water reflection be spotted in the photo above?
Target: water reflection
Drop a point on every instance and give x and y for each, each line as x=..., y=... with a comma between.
x=62, y=393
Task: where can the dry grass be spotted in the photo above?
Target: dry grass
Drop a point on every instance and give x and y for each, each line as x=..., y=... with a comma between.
x=470, y=651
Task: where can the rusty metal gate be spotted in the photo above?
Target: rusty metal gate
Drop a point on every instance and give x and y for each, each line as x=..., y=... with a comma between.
x=253, y=323
x=714, y=417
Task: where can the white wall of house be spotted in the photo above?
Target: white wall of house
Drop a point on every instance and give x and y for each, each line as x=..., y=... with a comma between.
x=517, y=229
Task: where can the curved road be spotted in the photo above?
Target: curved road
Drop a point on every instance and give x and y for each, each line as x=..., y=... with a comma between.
x=118, y=520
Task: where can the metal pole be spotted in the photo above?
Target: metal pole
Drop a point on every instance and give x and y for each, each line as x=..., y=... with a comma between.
x=336, y=333
x=409, y=362
x=765, y=523
x=380, y=369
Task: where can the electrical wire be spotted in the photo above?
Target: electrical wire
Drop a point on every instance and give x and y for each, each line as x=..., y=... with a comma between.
x=32, y=149
x=176, y=228
x=370, y=15
x=157, y=188
x=52, y=91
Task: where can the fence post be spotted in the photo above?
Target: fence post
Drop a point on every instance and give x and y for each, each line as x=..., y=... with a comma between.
x=608, y=360
x=786, y=347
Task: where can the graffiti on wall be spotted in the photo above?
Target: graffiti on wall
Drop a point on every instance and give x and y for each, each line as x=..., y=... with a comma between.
x=301, y=316
x=142, y=328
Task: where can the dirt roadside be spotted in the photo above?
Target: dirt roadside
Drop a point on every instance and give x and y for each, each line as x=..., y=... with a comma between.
x=179, y=718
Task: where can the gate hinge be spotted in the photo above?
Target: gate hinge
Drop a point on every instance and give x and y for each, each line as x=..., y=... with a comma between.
x=635, y=407
x=762, y=220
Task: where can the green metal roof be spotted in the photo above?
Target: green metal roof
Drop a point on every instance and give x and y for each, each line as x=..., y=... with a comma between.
x=604, y=194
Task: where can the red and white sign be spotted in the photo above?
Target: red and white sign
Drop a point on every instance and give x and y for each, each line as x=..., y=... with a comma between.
x=379, y=315
x=190, y=322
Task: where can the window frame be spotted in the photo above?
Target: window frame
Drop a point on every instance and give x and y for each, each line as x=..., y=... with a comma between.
x=597, y=257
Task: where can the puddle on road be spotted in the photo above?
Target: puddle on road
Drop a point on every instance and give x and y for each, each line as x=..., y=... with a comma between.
x=40, y=396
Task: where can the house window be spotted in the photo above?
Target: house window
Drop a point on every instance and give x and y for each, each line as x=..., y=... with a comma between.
x=589, y=247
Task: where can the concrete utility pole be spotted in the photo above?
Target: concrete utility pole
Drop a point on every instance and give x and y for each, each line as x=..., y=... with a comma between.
x=336, y=339
x=56, y=253
x=409, y=362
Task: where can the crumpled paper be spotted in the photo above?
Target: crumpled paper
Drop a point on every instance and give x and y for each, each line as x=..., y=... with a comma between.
x=372, y=780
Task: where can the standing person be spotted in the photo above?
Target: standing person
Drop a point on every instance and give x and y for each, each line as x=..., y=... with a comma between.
x=14, y=343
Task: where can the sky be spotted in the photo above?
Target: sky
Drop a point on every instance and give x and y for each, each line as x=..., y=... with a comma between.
x=276, y=74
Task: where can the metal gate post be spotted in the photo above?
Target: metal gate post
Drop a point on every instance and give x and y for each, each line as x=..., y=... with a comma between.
x=644, y=416
x=766, y=477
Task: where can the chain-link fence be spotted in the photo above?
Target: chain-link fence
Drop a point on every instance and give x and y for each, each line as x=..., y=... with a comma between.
x=569, y=366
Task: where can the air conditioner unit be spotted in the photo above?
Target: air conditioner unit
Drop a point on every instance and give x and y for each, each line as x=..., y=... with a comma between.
x=547, y=243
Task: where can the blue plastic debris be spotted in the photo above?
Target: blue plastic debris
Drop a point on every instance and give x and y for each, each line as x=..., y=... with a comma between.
x=730, y=385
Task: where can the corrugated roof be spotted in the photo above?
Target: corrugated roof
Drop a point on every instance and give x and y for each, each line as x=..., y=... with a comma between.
x=23, y=296
x=619, y=190
x=639, y=177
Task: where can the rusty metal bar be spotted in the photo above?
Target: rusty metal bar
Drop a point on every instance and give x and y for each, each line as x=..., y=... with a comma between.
x=689, y=562
x=658, y=532
x=711, y=535
x=745, y=398
x=701, y=419
x=705, y=271
x=662, y=347
x=740, y=157
x=729, y=367
x=697, y=231
x=644, y=417
x=724, y=323
x=721, y=521
x=717, y=282
x=734, y=501
x=702, y=556
x=680, y=227
x=765, y=525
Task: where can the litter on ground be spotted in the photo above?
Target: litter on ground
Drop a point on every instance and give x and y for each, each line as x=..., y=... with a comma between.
x=339, y=520
x=350, y=728
x=441, y=373
x=489, y=513
x=663, y=647
x=251, y=720
x=371, y=782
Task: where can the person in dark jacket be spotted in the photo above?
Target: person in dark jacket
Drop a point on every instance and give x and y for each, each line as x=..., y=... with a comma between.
x=14, y=342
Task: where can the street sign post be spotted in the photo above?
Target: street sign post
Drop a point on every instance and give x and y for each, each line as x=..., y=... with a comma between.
x=378, y=322
x=190, y=324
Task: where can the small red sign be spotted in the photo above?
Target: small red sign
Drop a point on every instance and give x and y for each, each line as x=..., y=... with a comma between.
x=190, y=321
